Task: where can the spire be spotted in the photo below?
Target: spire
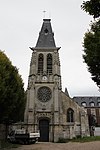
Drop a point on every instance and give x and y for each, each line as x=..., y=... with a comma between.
x=46, y=36
x=66, y=92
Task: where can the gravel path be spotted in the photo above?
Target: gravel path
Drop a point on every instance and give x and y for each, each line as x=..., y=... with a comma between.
x=61, y=146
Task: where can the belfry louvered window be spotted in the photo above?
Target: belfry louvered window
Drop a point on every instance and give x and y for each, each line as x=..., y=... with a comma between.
x=40, y=64
x=49, y=64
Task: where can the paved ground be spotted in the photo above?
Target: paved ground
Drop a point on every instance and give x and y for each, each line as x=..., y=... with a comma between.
x=61, y=146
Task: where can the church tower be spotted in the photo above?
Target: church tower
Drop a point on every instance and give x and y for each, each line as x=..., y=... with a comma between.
x=45, y=108
x=44, y=84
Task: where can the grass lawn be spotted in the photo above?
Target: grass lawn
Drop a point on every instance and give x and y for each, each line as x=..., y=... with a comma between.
x=86, y=139
x=79, y=139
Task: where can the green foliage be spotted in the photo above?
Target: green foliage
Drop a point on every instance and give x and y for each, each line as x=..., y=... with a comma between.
x=92, y=7
x=92, y=120
x=12, y=96
x=92, y=51
x=92, y=40
x=6, y=145
x=86, y=139
x=80, y=139
x=63, y=140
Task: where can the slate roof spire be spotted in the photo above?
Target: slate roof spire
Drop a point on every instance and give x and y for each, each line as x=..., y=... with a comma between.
x=66, y=92
x=46, y=35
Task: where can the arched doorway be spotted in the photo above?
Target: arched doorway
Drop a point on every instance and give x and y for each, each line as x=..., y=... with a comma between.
x=44, y=130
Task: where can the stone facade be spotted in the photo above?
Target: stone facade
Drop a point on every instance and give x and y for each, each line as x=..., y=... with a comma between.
x=48, y=109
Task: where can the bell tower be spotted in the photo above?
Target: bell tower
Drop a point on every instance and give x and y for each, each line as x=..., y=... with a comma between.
x=44, y=84
x=48, y=108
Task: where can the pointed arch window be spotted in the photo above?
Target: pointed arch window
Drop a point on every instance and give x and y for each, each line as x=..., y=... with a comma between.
x=49, y=63
x=70, y=115
x=40, y=63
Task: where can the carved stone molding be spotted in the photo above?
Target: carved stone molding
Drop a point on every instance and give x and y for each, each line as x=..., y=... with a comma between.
x=44, y=115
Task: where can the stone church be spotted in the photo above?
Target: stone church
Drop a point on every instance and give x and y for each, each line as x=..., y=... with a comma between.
x=48, y=108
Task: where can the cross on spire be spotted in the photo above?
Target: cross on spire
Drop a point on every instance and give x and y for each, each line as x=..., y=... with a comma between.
x=44, y=12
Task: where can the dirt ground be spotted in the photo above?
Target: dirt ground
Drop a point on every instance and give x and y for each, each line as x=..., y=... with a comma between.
x=61, y=146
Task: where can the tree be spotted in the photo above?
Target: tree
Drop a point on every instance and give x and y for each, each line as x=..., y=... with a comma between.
x=92, y=51
x=92, y=123
x=91, y=42
x=12, y=95
x=92, y=120
x=92, y=7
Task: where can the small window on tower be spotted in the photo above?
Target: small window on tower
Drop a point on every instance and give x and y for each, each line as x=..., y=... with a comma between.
x=49, y=64
x=40, y=64
x=46, y=31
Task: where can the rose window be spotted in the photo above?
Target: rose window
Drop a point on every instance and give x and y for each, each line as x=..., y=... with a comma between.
x=44, y=94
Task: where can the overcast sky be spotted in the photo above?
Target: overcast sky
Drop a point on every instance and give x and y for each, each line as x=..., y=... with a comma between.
x=20, y=24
